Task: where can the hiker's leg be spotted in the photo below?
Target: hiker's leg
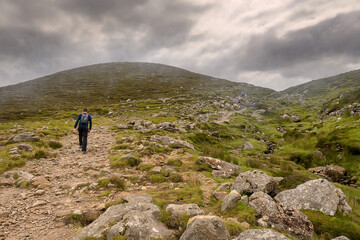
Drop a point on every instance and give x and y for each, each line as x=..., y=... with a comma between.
x=85, y=135
x=80, y=135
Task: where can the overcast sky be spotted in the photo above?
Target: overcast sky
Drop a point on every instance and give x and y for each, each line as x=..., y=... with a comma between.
x=275, y=44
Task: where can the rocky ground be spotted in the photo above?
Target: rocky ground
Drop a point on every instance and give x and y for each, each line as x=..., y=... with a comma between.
x=38, y=213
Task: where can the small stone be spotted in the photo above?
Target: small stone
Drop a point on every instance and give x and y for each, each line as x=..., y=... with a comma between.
x=39, y=203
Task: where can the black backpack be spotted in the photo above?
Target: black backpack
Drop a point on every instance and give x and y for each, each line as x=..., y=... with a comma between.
x=84, y=118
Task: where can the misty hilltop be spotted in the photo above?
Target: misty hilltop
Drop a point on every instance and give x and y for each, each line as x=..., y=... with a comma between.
x=110, y=82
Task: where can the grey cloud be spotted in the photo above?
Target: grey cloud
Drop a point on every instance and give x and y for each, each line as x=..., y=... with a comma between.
x=330, y=38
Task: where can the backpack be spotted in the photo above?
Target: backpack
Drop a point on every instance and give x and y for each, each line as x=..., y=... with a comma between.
x=84, y=118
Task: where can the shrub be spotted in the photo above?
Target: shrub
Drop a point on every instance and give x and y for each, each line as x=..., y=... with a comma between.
x=40, y=154
x=118, y=182
x=55, y=144
x=331, y=227
x=233, y=228
x=176, y=178
x=293, y=135
x=157, y=178
x=174, y=162
x=77, y=219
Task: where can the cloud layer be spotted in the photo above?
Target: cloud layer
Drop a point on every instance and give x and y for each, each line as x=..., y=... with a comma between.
x=277, y=46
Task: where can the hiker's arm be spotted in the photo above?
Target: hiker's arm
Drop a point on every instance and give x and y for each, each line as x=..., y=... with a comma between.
x=77, y=120
x=90, y=122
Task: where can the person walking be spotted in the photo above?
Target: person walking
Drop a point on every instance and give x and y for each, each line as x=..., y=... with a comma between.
x=85, y=124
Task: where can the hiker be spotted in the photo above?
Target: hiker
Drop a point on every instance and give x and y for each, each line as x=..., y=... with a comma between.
x=84, y=119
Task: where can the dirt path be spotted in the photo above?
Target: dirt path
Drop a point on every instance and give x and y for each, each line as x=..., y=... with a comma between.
x=36, y=214
x=225, y=116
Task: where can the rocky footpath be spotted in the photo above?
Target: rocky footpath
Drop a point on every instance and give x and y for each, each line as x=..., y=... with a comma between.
x=34, y=203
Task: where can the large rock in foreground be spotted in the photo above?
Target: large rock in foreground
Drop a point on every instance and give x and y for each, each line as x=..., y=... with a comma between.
x=25, y=137
x=221, y=168
x=205, y=228
x=276, y=215
x=171, y=141
x=261, y=234
x=318, y=195
x=136, y=219
x=255, y=181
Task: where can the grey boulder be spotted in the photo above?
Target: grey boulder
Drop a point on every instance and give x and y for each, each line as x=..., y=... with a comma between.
x=261, y=234
x=221, y=168
x=136, y=219
x=230, y=200
x=205, y=228
x=25, y=137
x=255, y=181
x=316, y=194
x=171, y=141
x=177, y=210
x=276, y=215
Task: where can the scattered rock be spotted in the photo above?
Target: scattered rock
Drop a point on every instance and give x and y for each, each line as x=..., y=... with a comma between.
x=136, y=219
x=177, y=210
x=230, y=200
x=255, y=181
x=122, y=126
x=25, y=147
x=318, y=195
x=171, y=141
x=330, y=172
x=205, y=228
x=219, y=195
x=24, y=137
x=39, y=203
x=215, y=134
x=281, y=129
x=276, y=215
x=261, y=234
x=341, y=238
x=221, y=168
x=167, y=126
x=247, y=146
x=40, y=182
x=156, y=169
x=295, y=118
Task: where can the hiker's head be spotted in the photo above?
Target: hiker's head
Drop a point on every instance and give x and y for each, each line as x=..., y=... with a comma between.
x=85, y=110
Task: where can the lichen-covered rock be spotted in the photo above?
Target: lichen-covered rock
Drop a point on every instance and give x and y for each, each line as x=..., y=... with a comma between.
x=205, y=228
x=25, y=137
x=230, y=200
x=171, y=141
x=288, y=219
x=136, y=219
x=221, y=168
x=177, y=210
x=318, y=195
x=255, y=181
x=261, y=234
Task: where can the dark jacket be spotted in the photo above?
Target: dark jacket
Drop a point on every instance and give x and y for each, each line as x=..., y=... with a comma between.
x=78, y=120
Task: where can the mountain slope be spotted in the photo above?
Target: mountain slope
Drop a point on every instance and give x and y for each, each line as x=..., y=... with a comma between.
x=323, y=92
x=110, y=82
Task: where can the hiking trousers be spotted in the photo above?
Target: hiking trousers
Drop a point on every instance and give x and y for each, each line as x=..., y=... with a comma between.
x=83, y=134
